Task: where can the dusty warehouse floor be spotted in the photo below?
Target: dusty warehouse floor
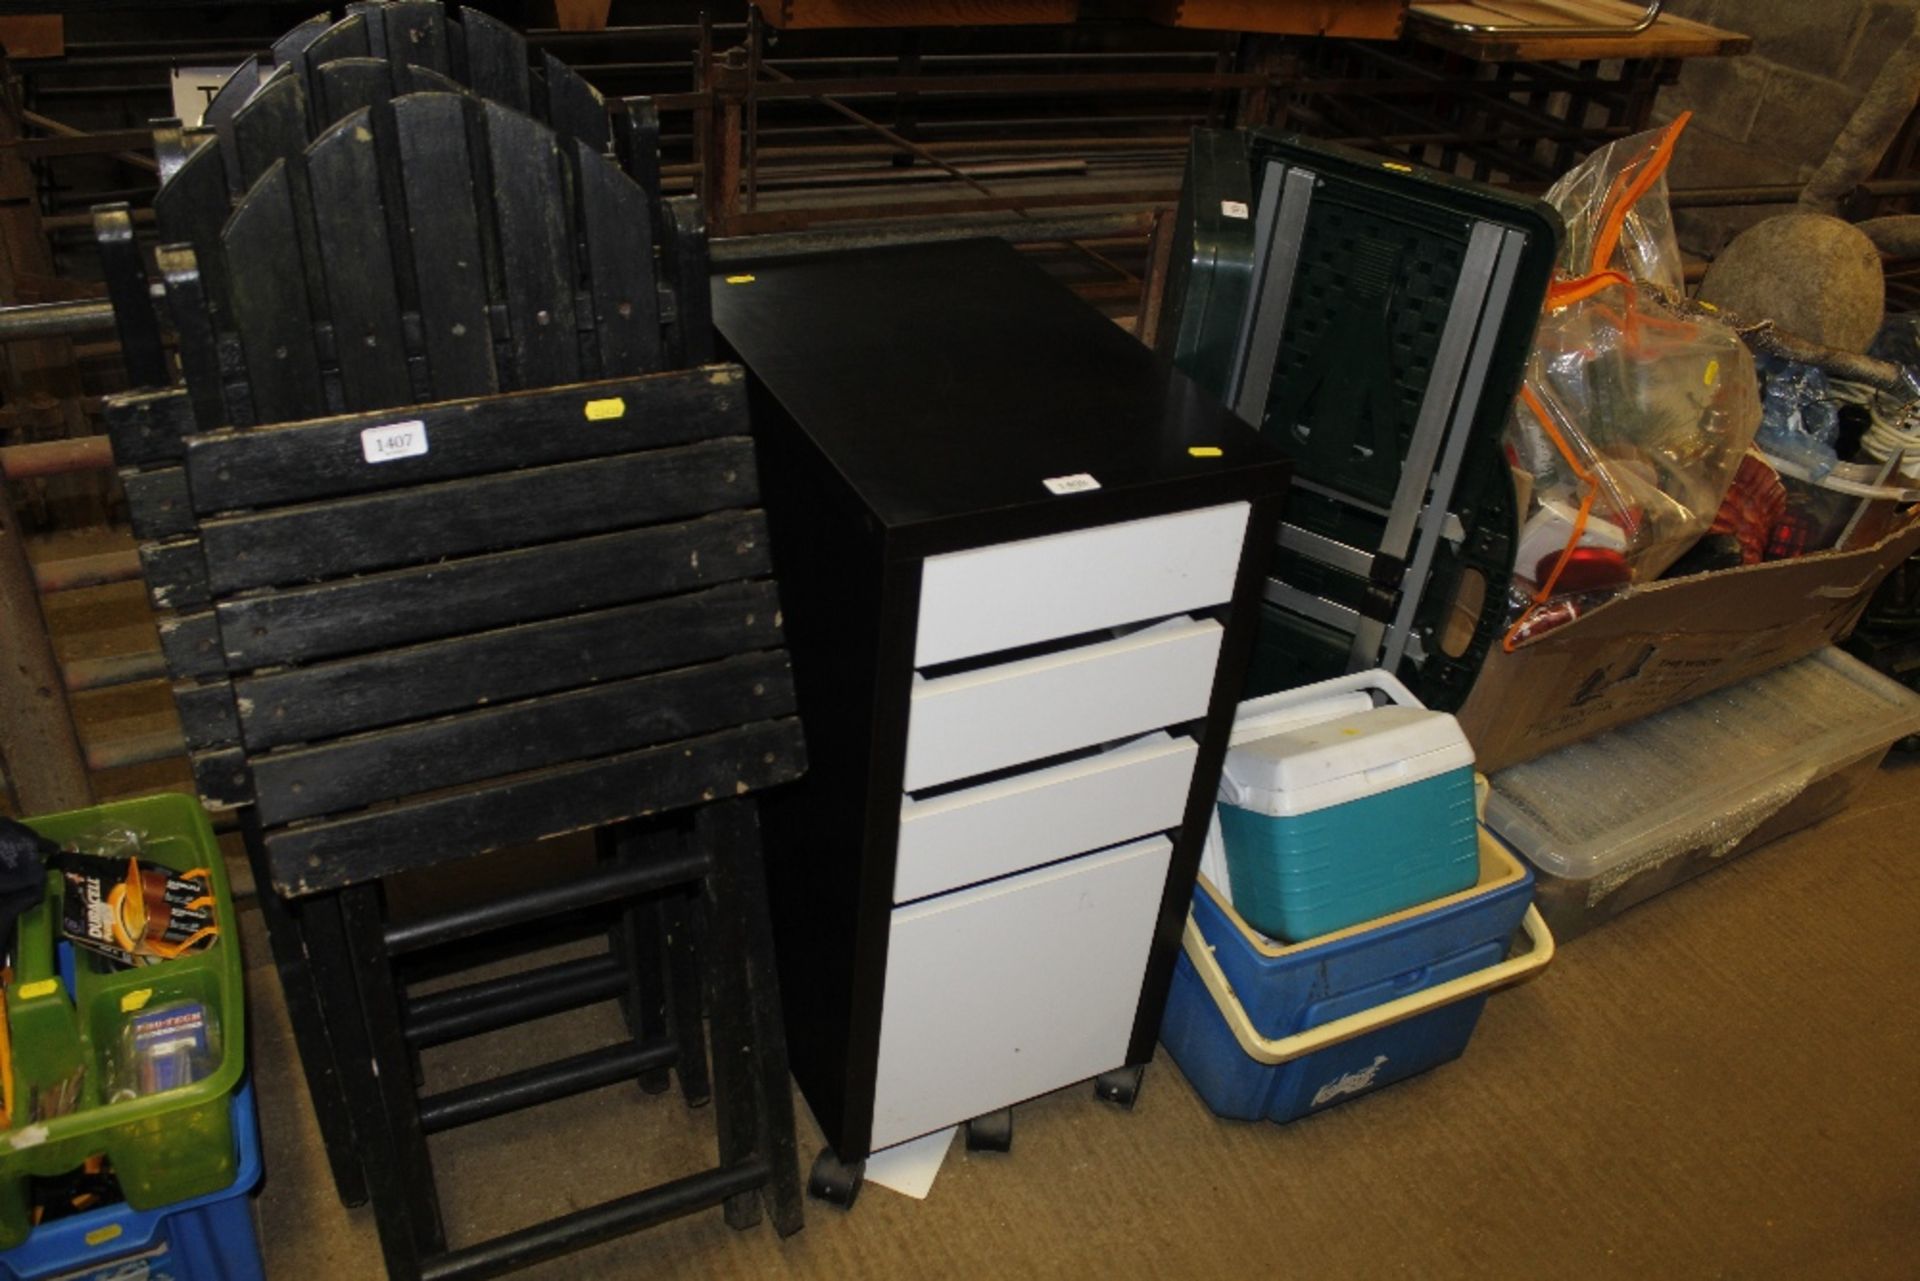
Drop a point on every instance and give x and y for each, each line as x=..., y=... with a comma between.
x=1723, y=1083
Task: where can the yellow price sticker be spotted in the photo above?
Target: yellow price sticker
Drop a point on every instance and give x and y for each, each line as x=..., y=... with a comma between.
x=105, y=1233
x=1204, y=451
x=1713, y=372
x=1396, y=166
x=739, y=280
x=45, y=987
x=610, y=407
x=136, y=1000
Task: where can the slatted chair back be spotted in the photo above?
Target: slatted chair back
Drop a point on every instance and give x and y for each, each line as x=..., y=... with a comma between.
x=478, y=618
x=326, y=71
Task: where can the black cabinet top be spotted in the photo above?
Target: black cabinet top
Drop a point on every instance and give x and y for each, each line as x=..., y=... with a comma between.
x=945, y=382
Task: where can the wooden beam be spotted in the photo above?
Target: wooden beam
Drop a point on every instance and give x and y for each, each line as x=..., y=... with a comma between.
x=1353, y=19
x=795, y=14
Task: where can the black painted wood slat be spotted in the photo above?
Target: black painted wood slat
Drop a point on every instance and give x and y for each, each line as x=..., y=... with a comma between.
x=124, y=270
x=176, y=574
x=221, y=777
x=349, y=215
x=491, y=742
x=195, y=337
x=346, y=38
x=360, y=614
x=497, y=63
x=381, y=842
x=157, y=503
x=269, y=299
x=619, y=234
x=684, y=246
x=190, y=208
x=417, y=34
x=239, y=86
x=346, y=85
x=575, y=108
x=449, y=255
x=191, y=644
x=485, y=513
x=148, y=426
x=270, y=126
x=637, y=142
x=208, y=718
x=536, y=248
x=345, y=696
x=324, y=458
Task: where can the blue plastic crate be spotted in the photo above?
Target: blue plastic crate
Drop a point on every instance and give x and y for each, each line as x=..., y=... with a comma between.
x=1287, y=1029
x=209, y=1238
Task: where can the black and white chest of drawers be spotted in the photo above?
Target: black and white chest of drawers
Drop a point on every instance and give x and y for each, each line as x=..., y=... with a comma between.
x=1020, y=562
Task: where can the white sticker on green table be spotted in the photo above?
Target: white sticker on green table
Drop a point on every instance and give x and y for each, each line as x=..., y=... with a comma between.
x=1234, y=209
x=394, y=440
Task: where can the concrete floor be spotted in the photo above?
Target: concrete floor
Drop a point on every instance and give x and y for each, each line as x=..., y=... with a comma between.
x=1725, y=1082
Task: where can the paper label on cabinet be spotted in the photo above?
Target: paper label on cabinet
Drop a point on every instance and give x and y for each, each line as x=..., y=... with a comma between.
x=1233, y=209
x=1078, y=483
x=395, y=440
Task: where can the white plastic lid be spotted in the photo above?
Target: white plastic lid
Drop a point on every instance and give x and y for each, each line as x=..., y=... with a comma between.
x=1344, y=759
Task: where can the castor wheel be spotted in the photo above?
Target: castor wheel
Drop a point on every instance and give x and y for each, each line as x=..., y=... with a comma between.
x=835, y=1181
x=1120, y=1086
x=992, y=1132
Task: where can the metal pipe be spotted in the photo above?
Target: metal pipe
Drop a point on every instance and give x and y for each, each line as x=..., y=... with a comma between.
x=514, y=1005
x=31, y=321
x=87, y=571
x=543, y=1084
x=45, y=768
x=55, y=457
x=1778, y=193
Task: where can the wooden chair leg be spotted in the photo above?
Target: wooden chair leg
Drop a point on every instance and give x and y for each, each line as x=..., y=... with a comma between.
x=317, y=1055
x=354, y=975
x=747, y=885
x=752, y=1094
x=680, y=918
x=639, y=944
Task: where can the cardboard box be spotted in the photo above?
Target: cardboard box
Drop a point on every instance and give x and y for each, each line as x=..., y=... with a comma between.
x=1658, y=645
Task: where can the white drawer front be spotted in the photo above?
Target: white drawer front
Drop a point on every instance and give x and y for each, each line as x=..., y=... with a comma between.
x=988, y=831
x=988, y=719
x=994, y=598
x=1005, y=991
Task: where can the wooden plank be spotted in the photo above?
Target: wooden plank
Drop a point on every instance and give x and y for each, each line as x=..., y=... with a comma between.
x=176, y=575
x=617, y=218
x=581, y=15
x=191, y=643
x=449, y=751
x=33, y=35
x=1669, y=37
x=196, y=341
x=157, y=503
x=239, y=86
x=797, y=14
x=417, y=34
x=147, y=426
x=350, y=220
x=492, y=591
x=449, y=254
x=485, y=513
x=325, y=458
x=637, y=141
x=497, y=63
x=191, y=208
x=346, y=85
x=125, y=272
x=376, y=27
x=684, y=248
x=427, y=80
x=575, y=109
x=344, y=851
x=208, y=718
x=1351, y=19
x=296, y=42
x=270, y=126
x=536, y=248
x=268, y=295
x=220, y=777
x=307, y=704
x=346, y=38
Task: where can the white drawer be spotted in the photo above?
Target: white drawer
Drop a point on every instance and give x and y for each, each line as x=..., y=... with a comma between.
x=1001, y=992
x=987, y=831
x=993, y=717
x=994, y=598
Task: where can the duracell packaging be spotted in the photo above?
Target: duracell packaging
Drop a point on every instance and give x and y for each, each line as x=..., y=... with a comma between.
x=132, y=914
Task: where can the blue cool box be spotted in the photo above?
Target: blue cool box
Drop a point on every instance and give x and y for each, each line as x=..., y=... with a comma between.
x=1287, y=988
x=207, y=1238
x=1346, y=819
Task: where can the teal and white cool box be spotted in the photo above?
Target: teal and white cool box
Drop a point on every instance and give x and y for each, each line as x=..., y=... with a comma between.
x=1343, y=801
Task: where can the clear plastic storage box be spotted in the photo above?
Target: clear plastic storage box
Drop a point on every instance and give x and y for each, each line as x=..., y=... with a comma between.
x=1612, y=821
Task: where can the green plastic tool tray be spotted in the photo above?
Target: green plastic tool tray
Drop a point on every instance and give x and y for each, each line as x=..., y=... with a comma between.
x=164, y=1147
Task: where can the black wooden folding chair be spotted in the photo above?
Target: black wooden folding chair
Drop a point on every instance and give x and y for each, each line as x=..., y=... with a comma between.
x=446, y=578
